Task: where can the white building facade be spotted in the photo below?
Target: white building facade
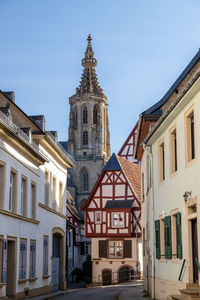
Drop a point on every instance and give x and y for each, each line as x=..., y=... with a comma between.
x=33, y=173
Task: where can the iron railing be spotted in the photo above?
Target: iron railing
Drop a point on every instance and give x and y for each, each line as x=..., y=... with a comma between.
x=7, y=121
x=118, y=277
x=181, y=271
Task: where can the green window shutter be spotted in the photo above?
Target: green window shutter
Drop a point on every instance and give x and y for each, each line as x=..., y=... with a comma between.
x=157, y=230
x=168, y=237
x=179, y=235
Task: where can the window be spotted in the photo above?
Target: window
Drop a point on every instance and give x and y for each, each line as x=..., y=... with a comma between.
x=168, y=241
x=157, y=233
x=32, y=258
x=85, y=115
x=2, y=184
x=75, y=118
x=173, y=151
x=4, y=244
x=22, y=262
x=142, y=186
x=162, y=237
x=12, y=191
x=46, y=188
x=95, y=115
x=115, y=249
x=33, y=200
x=85, y=138
x=23, y=196
x=161, y=162
x=190, y=136
x=117, y=219
x=54, y=193
x=45, y=255
x=85, y=181
x=60, y=197
x=97, y=217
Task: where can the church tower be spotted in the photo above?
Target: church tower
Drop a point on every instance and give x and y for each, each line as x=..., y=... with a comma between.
x=88, y=133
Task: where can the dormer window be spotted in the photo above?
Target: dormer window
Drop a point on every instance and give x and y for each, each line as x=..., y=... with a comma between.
x=117, y=219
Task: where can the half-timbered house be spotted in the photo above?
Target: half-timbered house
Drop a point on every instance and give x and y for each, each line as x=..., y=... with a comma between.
x=112, y=219
x=127, y=149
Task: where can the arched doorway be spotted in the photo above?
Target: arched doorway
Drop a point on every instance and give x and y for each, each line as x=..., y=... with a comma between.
x=126, y=274
x=106, y=277
x=58, y=259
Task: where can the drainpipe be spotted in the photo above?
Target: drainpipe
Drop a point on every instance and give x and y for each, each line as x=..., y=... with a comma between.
x=137, y=255
x=149, y=150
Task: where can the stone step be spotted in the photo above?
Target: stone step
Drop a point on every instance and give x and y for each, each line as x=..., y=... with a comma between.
x=178, y=297
x=190, y=293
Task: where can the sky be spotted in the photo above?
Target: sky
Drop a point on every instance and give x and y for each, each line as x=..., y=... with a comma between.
x=141, y=47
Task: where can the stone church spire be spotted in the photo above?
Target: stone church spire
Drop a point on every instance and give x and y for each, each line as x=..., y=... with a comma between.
x=88, y=131
x=89, y=81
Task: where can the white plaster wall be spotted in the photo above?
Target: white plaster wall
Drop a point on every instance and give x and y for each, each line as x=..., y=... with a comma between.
x=168, y=195
x=14, y=227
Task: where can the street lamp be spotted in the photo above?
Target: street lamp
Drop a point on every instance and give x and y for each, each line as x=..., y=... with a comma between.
x=186, y=195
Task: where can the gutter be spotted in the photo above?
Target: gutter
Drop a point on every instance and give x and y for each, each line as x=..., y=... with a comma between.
x=173, y=105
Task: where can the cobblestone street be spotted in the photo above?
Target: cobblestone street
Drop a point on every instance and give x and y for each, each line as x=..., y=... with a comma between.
x=118, y=292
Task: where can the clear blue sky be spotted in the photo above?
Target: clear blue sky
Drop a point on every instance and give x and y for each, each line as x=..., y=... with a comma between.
x=141, y=46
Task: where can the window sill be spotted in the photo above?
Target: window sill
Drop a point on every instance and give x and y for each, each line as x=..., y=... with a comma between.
x=189, y=163
x=52, y=210
x=32, y=279
x=2, y=284
x=14, y=215
x=173, y=174
x=22, y=280
x=46, y=276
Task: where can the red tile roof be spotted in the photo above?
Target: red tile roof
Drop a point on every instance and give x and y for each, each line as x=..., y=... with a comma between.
x=133, y=173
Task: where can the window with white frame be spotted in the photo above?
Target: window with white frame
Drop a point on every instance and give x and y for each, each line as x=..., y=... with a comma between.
x=2, y=184
x=23, y=196
x=12, y=190
x=22, y=260
x=32, y=258
x=97, y=217
x=115, y=249
x=118, y=219
x=33, y=200
x=45, y=255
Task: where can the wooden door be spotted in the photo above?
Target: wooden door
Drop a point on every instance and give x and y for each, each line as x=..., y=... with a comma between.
x=194, y=250
x=107, y=277
x=11, y=269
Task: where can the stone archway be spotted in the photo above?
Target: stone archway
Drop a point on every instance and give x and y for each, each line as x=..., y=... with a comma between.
x=125, y=273
x=58, y=258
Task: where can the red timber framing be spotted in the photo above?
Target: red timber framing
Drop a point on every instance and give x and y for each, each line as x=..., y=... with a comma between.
x=127, y=150
x=115, y=182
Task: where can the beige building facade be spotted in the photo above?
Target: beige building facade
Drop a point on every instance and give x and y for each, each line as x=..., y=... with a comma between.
x=171, y=196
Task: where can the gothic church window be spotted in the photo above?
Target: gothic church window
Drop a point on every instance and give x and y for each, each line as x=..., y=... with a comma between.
x=95, y=115
x=85, y=138
x=85, y=180
x=75, y=118
x=85, y=115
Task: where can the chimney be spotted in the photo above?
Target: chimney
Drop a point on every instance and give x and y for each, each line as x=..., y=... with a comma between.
x=10, y=95
x=39, y=121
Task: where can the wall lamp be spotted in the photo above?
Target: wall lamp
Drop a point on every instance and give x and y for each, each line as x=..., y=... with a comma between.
x=187, y=195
